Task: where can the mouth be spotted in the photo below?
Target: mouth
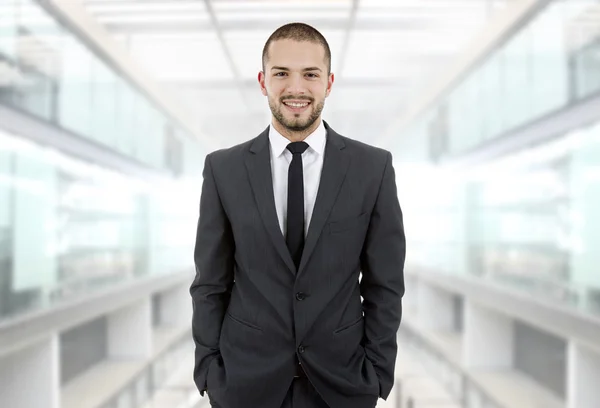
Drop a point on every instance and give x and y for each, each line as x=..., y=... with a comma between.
x=296, y=106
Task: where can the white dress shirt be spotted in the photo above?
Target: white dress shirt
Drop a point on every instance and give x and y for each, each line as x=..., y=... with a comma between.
x=312, y=165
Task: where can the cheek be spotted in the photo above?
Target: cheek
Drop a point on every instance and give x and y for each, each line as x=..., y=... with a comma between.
x=273, y=99
x=274, y=92
x=319, y=94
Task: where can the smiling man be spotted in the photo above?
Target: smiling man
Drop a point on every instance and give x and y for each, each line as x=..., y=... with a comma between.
x=296, y=92
x=299, y=252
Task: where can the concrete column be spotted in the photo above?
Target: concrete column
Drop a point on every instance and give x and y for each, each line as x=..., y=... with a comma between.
x=488, y=338
x=176, y=307
x=30, y=378
x=130, y=331
x=583, y=377
x=435, y=308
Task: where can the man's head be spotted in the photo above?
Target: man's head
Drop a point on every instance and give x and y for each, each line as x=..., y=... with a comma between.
x=296, y=76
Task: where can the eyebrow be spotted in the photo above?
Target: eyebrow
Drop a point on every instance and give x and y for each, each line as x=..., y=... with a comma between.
x=305, y=69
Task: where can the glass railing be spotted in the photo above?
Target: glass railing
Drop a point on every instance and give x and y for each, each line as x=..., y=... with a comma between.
x=49, y=72
x=138, y=392
x=68, y=228
x=459, y=384
x=550, y=63
x=526, y=222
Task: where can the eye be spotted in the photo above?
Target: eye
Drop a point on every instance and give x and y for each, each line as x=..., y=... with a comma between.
x=280, y=73
x=313, y=75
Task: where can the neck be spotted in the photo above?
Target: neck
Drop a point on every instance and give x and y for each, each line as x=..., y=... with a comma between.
x=295, y=136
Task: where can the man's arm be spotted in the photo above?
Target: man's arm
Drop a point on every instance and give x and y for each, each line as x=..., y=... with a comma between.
x=382, y=283
x=211, y=288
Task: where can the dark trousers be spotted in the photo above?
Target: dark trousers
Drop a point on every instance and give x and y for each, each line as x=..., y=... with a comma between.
x=301, y=394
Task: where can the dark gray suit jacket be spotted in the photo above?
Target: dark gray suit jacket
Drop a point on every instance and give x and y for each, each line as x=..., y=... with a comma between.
x=254, y=314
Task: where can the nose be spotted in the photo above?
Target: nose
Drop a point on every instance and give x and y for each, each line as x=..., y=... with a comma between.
x=296, y=86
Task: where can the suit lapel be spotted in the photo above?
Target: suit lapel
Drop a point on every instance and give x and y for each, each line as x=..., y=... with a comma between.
x=335, y=166
x=258, y=163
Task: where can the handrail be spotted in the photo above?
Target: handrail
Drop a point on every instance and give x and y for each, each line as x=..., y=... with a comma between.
x=467, y=383
x=25, y=329
x=558, y=319
x=130, y=388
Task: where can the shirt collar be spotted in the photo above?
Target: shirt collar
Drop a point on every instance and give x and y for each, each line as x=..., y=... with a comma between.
x=316, y=140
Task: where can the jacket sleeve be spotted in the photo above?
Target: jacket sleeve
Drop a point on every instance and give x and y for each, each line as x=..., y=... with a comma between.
x=382, y=283
x=211, y=288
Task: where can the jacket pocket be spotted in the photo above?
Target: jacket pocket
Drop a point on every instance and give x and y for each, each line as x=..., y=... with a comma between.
x=243, y=323
x=348, y=326
x=347, y=223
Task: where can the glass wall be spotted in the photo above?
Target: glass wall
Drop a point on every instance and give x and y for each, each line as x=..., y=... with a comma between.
x=586, y=64
x=549, y=64
x=529, y=221
x=69, y=227
x=46, y=71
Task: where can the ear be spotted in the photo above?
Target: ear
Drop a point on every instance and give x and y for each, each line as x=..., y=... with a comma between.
x=329, y=84
x=261, y=82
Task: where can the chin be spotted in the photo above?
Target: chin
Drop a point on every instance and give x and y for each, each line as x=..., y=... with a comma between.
x=299, y=127
x=295, y=121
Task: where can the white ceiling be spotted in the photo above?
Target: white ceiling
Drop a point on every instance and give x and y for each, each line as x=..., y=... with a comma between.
x=208, y=52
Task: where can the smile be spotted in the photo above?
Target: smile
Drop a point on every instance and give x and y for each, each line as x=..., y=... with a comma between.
x=296, y=106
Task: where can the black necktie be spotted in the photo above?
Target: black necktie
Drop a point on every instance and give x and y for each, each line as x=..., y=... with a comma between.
x=295, y=205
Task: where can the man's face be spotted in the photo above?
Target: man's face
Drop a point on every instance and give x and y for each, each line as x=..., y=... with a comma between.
x=296, y=83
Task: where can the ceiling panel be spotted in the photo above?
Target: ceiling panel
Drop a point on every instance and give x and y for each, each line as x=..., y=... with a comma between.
x=429, y=34
x=266, y=5
x=181, y=57
x=136, y=13
x=158, y=19
x=122, y=7
x=396, y=55
x=281, y=16
x=393, y=48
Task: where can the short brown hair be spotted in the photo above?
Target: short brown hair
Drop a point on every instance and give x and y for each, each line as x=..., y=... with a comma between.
x=298, y=32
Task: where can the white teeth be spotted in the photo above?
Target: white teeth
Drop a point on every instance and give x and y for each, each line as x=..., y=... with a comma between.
x=296, y=105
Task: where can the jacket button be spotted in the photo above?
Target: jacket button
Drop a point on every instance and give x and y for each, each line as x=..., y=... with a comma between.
x=300, y=296
x=301, y=349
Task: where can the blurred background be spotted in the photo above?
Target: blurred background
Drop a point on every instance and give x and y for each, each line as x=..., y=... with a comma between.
x=491, y=109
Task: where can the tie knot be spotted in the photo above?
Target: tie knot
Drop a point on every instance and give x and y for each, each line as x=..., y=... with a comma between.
x=297, y=147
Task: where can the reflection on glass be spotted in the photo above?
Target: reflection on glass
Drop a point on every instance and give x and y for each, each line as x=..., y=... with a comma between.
x=48, y=72
x=528, y=221
x=550, y=63
x=68, y=228
x=586, y=63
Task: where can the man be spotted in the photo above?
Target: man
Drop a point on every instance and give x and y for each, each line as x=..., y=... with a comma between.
x=288, y=221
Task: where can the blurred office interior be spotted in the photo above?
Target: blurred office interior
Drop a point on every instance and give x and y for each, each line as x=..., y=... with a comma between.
x=491, y=109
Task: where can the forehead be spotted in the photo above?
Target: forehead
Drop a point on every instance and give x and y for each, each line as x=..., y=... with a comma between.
x=296, y=54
